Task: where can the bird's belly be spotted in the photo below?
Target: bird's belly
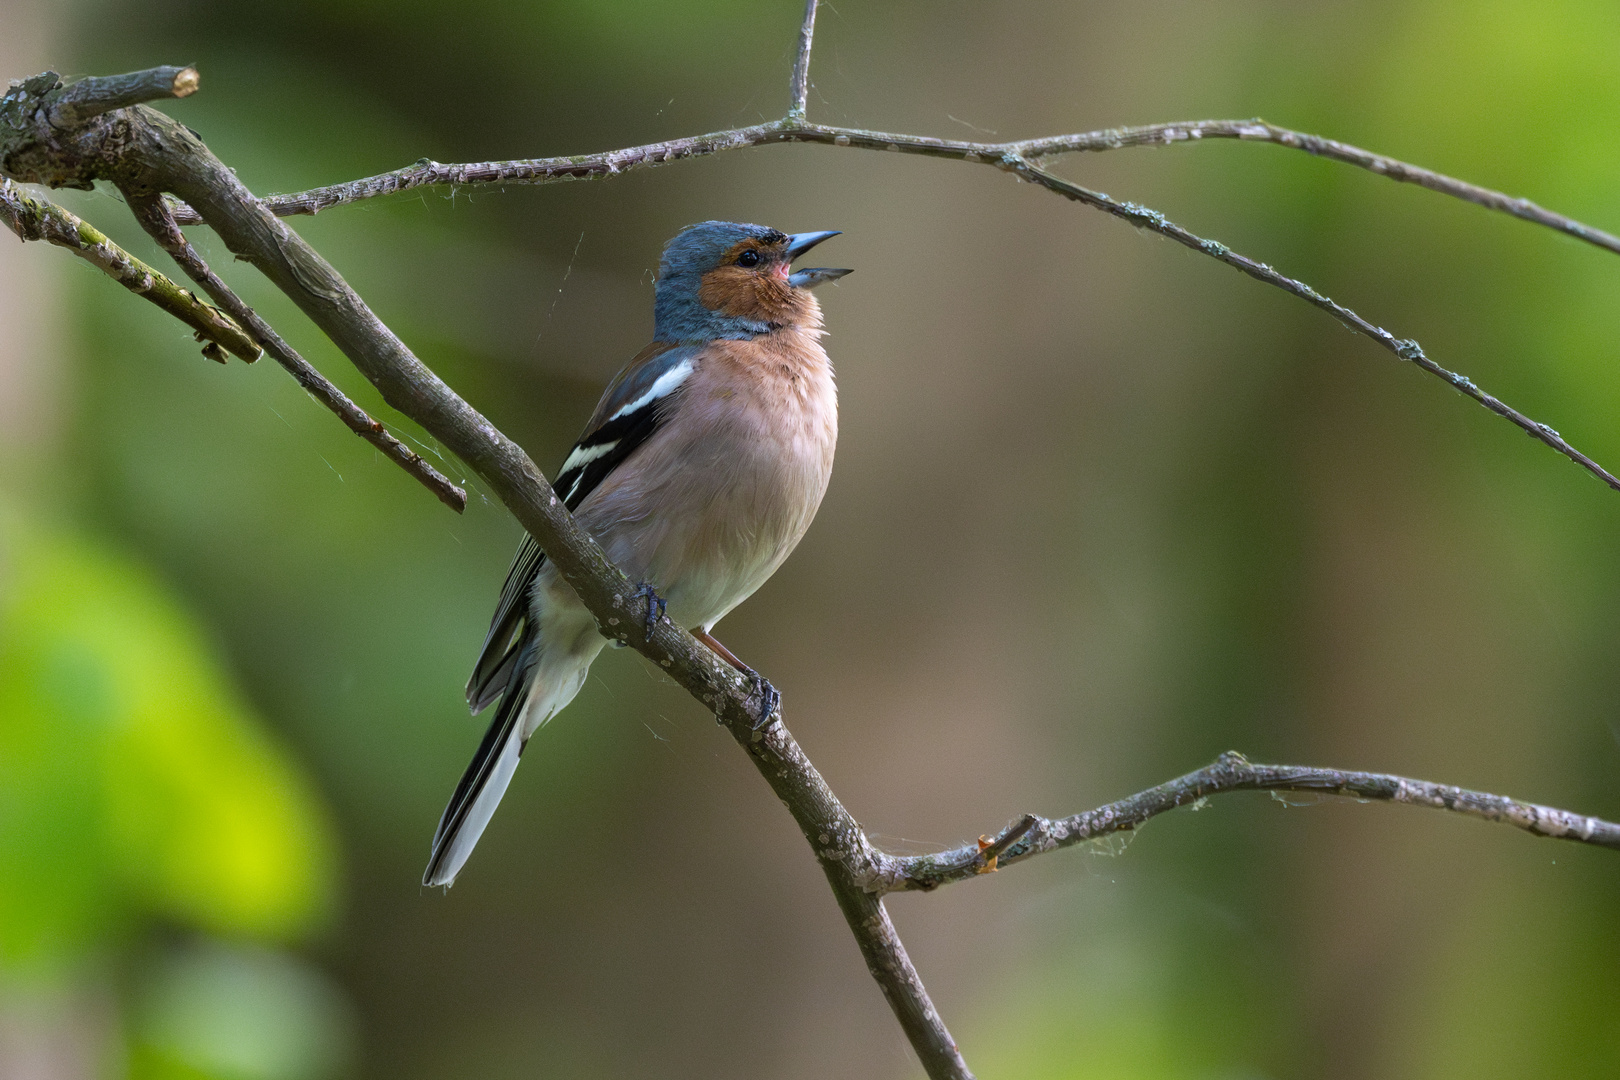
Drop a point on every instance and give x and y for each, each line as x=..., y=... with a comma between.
x=710, y=534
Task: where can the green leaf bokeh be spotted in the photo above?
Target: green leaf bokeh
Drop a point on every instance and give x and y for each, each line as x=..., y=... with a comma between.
x=135, y=782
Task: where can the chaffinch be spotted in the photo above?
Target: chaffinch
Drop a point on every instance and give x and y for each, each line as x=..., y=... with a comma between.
x=698, y=473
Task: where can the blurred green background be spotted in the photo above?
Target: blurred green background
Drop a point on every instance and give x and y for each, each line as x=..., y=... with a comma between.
x=1102, y=510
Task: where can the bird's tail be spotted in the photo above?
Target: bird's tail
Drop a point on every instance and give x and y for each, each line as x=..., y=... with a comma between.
x=545, y=678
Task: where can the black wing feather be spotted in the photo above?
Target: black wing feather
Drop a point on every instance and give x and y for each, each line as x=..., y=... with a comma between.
x=508, y=629
x=500, y=647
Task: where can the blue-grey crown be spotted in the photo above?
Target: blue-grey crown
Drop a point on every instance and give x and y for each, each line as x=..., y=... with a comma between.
x=678, y=314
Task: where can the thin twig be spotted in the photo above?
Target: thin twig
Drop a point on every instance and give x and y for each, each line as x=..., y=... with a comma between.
x=800, y=86
x=154, y=217
x=1257, y=130
x=429, y=173
x=992, y=850
x=87, y=98
x=39, y=219
x=1233, y=772
x=1404, y=348
x=794, y=129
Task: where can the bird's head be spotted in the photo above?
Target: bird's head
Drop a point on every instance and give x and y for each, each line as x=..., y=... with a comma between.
x=720, y=279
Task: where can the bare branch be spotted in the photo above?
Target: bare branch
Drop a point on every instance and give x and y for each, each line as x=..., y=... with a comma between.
x=1404, y=348
x=857, y=871
x=38, y=219
x=891, y=968
x=794, y=129
x=1258, y=130
x=1233, y=772
x=154, y=217
x=429, y=173
x=91, y=97
x=801, y=63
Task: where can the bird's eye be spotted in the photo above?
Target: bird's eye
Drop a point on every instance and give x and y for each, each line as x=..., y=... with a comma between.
x=748, y=258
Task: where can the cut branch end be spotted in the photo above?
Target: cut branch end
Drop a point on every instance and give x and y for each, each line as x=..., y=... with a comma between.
x=186, y=82
x=88, y=98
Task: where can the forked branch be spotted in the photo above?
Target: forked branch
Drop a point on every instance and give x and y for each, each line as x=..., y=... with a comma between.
x=1032, y=835
x=427, y=173
x=1258, y=130
x=1402, y=348
x=153, y=214
x=144, y=153
x=37, y=219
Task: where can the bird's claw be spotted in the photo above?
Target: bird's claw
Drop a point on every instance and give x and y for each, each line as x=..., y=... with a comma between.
x=656, y=606
x=769, y=698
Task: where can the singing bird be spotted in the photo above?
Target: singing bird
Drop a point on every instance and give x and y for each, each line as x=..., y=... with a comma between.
x=699, y=472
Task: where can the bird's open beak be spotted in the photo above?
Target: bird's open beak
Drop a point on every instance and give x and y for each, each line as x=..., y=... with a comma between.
x=798, y=244
x=809, y=279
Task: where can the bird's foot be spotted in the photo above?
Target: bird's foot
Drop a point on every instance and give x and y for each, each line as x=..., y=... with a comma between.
x=656, y=606
x=769, y=698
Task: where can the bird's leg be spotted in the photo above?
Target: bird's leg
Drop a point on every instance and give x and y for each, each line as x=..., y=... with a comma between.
x=656, y=605
x=769, y=698
x=720, y=650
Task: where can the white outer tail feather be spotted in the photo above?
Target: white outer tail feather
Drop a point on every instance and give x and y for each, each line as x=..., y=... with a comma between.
x=555, y=678
x=459, y=844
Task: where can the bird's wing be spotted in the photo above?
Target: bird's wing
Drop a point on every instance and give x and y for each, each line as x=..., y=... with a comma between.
x=503, y=644
x=632, y=408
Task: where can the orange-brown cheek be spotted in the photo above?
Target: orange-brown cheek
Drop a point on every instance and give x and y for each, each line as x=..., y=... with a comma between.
x=728, y=290
x=743, y=294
